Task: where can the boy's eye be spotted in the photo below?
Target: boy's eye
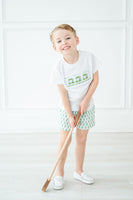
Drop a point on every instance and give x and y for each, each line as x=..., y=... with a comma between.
x=68, y=38
x=59, y=41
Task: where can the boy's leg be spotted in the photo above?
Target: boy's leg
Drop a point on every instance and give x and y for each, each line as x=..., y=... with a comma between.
x=60, y=166
x=81, y=137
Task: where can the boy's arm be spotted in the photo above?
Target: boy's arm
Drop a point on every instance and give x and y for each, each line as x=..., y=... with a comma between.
x=85, y=102
x=66, y=103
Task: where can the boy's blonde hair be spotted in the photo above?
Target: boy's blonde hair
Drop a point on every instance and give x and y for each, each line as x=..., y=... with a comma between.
x=65, y=27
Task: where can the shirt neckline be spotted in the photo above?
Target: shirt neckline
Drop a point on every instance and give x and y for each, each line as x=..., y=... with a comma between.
x=71, y=64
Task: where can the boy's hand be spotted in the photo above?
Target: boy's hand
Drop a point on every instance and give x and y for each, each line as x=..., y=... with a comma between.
x=71, y=119
x=83, y=106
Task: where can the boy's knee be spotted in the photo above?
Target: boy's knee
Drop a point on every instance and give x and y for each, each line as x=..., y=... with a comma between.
x=69, y=141
x=82, y=140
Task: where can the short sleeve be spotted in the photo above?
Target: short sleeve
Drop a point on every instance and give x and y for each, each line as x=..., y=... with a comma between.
x=96, y=64
x=56, y=75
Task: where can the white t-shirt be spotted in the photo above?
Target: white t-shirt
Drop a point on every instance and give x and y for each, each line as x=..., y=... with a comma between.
x=76, y=77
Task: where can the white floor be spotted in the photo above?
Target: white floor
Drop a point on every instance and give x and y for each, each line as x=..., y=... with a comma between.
x=26, y=160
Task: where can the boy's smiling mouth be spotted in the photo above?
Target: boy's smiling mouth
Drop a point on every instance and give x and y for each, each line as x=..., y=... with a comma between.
x=66, y=48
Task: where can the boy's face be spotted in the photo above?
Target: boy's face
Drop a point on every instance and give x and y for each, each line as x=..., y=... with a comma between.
x=65, y=42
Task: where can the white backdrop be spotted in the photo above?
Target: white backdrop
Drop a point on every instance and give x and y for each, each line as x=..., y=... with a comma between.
x=27, y=102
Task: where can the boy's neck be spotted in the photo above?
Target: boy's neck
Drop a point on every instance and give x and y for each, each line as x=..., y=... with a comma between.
x=71, y=59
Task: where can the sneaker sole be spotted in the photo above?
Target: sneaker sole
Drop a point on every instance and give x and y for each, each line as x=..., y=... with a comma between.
x=88, y=183
x=57, y=188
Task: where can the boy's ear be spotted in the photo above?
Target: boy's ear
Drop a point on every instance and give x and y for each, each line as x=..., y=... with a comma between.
x=54, y=47
x=77, y=40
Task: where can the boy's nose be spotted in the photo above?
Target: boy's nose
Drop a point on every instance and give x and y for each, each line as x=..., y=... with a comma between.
x=64, y=41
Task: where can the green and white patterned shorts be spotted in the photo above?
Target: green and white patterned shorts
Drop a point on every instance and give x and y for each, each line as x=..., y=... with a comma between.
x=87, y=120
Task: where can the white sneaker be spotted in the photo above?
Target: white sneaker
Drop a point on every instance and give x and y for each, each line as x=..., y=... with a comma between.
x=58, y=183
x=85, y=178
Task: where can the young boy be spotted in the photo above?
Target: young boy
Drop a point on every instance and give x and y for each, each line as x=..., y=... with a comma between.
x=76, y=76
